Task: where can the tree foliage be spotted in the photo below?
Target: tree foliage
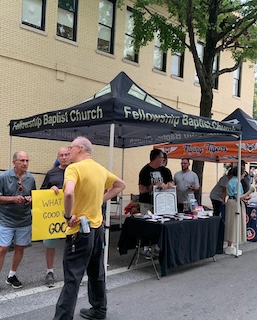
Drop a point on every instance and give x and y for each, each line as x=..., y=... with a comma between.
x=222, y=25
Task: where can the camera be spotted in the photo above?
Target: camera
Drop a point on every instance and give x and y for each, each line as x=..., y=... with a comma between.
x=25, y=199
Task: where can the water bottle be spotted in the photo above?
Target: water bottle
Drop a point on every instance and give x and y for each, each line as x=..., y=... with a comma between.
x=84, y=224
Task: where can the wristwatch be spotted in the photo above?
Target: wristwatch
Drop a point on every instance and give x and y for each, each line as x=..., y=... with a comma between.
x=67, y=218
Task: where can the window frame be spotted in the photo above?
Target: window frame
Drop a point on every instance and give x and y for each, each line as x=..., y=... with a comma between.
x=200, y=55
x=181, y=61
x=43, y=18
x=237, y=81
x=75, y=22
x=112, y=28
x=136, y=55
x=216, y=80
x=157, y=46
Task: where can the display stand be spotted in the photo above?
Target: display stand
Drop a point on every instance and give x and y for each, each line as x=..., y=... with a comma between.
x=165, y=201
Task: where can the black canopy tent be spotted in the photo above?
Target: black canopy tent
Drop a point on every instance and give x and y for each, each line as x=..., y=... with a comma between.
x=121, y=115
x=139, y=120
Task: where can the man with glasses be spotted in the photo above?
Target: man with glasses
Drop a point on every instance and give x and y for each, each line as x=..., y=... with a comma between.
x=187, y=182
x=85, y=182
x=54, y=180
x=15, y=213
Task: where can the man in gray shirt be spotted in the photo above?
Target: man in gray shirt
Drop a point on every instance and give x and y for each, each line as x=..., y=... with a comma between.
x=15, y=212
x=186, y=181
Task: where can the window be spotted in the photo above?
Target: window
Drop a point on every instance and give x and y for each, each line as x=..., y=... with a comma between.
x=177, y=68
x=33, y=13
x=160, y=57
x=200, y=51
x=215, y=68
x=237, y=82
x=106, y=26
x=129, y=50
x=67, y=19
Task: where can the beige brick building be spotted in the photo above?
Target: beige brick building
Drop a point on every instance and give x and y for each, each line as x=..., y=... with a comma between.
x=53, y=57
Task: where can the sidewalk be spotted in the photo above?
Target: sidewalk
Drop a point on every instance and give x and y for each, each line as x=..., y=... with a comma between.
x=205, y=290
x=33, y=267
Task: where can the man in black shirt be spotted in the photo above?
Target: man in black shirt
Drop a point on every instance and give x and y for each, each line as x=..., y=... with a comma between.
x=153, y=174
x=54, y=180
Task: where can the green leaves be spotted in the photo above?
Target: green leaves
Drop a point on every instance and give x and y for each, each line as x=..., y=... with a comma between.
x=222, y=25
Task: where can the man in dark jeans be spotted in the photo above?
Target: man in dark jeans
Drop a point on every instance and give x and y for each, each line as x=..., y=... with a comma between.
x=85, y=182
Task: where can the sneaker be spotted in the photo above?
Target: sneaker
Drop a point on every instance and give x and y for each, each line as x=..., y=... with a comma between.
x=239, y=252
x=147, y=254
x=50, y=281
x=231, y=250
x=16, y=284
x=92, y=314
x=156, y=253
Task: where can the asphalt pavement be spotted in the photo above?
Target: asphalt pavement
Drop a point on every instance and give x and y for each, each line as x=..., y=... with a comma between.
x=220, y=290
x=206, y=290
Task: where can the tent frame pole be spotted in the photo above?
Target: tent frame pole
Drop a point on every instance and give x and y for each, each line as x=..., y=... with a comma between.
x=238, y=212
x=122, y=177
x=108, y=204
x=10, y=153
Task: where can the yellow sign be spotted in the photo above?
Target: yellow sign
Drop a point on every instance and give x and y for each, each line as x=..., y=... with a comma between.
x=47, y=215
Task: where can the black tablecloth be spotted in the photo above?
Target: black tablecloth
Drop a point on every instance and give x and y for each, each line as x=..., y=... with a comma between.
x=180, y=242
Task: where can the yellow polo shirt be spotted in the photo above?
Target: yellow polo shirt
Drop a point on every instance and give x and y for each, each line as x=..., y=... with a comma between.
x=91, y=180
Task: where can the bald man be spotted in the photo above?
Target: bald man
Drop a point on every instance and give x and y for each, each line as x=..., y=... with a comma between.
x=84, y=188
x=54, y=180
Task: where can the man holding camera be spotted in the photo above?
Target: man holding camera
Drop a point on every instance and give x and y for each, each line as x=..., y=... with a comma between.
x=186, y=181
x=15, y=213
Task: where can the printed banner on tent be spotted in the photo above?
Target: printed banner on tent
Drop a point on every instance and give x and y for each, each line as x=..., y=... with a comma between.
x=226, y=151
x=47, y=215
x=140, y=119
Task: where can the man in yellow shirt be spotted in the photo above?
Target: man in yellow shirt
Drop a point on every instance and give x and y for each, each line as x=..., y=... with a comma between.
x=85, y=182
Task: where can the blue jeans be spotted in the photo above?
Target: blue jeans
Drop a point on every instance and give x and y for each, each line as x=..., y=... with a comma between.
x=87, y=255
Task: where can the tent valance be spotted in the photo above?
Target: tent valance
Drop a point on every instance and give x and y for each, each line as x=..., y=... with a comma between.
x=220, y=150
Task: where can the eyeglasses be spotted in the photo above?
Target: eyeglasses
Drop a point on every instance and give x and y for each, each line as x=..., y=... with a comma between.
x=23, y=160
x=20, y=187
x=70, y=147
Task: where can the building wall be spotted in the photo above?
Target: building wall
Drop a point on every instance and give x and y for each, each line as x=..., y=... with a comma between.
x=42, y=72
